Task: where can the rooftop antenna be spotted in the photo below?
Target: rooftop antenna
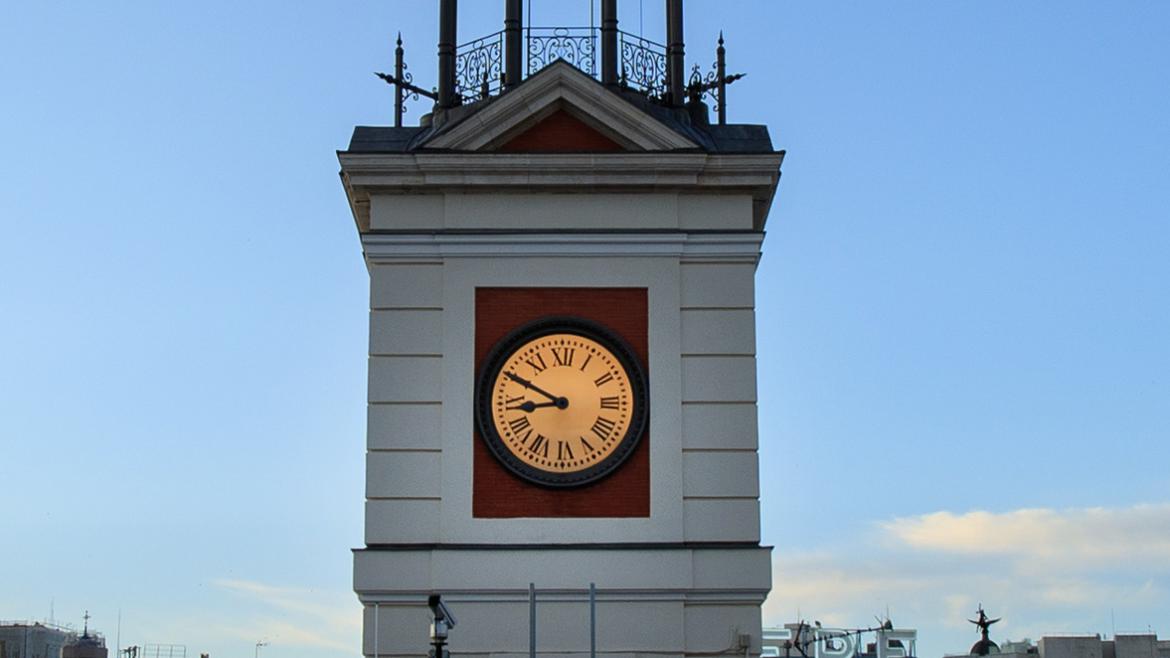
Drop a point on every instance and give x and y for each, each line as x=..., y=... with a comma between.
x=797, y=641
x=85, y=632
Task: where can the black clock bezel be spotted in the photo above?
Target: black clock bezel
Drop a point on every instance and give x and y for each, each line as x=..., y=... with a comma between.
x=498, y=356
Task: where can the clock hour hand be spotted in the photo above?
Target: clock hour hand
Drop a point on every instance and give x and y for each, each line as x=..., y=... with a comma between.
x=558, y=402
x=530, y=406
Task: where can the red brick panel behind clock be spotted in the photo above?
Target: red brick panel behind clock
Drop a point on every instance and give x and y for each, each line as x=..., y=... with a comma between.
x=561, y=132
x=496, y=492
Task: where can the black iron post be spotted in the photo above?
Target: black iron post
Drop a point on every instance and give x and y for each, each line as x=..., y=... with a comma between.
x=398, y=71
x=674, y=51
x=609, y=49
x=513, y=46
x=721, y=76
x=448, y=97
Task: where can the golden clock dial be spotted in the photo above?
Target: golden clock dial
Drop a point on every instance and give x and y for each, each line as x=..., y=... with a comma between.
x=563, y=404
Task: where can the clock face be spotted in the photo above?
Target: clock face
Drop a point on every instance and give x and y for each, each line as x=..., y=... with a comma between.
x=561, y=402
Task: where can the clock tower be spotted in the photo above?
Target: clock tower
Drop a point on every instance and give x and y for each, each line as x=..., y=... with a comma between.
x=562, y=373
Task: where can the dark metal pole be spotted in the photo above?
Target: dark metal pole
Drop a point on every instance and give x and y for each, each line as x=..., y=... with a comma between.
x=397, y=104
x=513, y=24
x=674, y=51
x=609, y=50
x=592, y=620
x=447, y=95
x=721, y=76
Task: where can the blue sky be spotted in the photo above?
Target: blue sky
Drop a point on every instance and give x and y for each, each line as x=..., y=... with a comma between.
x=963, y=310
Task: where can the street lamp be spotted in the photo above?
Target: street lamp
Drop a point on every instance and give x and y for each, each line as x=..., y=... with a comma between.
x=259, y=644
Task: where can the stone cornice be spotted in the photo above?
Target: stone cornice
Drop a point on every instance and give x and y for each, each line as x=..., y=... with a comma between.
x=459, y=170
x=364, y=174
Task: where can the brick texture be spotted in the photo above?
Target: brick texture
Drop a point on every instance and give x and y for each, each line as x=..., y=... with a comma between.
x=561, y=132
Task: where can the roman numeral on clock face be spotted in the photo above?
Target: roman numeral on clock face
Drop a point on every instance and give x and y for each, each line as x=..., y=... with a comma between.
x=563, y=356
x=602, y=427
x=609, y=402
x=539, y=446
x=518, y=424
x=585, y=444
x=564, y=451
x=602, y=380
x=537, y=365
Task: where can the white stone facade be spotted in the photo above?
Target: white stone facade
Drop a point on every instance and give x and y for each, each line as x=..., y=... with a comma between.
x=688, y=579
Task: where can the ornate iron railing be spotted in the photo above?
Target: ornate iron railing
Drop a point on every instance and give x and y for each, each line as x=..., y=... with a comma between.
x=479, y=64
x=575, y=45
x=643, y=64
x=479, y=67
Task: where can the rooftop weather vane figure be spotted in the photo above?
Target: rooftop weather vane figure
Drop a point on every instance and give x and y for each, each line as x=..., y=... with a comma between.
x=984, y=646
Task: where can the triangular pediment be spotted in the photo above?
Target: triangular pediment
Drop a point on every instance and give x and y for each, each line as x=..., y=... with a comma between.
x=560, y=108
x=561, y=132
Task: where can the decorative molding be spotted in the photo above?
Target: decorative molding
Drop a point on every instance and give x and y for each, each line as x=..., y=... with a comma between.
x=575, y=546
x=382, y=248
x=418, y=597
x=410, y=171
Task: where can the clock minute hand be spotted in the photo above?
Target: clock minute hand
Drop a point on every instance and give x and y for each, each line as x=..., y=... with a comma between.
x=527, y=384
x=558, y=402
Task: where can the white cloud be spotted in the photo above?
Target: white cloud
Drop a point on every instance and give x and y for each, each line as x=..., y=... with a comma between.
x=1086, y=537
x=1045, y=571
x=294, y=617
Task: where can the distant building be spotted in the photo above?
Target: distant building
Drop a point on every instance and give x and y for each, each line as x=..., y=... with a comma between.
x=800, y=640
x=1143, y=645
x=89, y=645
x=34, y=639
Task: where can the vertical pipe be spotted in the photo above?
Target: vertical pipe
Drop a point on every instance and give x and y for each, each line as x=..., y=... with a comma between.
x=674, y=51
x=592, y=620
x=398, y=72
x=447, y=95
x=375, y=629
x=531, y=620
x=721, y=76
x=513, y=20
x=609, y=50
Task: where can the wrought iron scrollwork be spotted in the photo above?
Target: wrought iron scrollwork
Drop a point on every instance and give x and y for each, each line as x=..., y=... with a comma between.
x=575, y=45
x=701, y=86
x=643, y=64
x=407, y=94
x=479, y=67
x=403, y=82
x=714, y=84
